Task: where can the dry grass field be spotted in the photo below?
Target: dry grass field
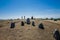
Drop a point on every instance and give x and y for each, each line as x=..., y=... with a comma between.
x=28, y=32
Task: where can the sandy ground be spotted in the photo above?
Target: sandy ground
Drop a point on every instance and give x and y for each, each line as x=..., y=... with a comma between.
x=27, y=32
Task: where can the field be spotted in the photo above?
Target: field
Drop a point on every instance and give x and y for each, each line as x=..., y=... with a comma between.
x=28, y=32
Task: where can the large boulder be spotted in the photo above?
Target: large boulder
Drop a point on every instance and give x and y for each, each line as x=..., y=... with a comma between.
x=33, y=23
x=12, y=25
x=32, y=17
x=41, y=26
x=56, y=34
x=22, y=23
x=28, y=21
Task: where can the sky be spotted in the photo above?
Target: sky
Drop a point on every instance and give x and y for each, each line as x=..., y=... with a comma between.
x=37, y=8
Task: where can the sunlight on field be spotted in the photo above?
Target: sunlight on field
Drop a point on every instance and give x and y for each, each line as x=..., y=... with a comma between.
x=27, y=32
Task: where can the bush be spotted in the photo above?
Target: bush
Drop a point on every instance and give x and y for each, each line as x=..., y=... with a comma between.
x=46, y=18
x=52, y=18
x=55, y=19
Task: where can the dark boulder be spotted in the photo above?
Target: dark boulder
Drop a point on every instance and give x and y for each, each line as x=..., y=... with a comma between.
x=22, y=23
x=32, y=17
x=33, y=23
x=12, y=25
x=41, y=26
x=56, y=35
x=28, y=21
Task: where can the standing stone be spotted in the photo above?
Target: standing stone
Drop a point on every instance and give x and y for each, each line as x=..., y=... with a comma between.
x=28, y=21
x=22, y=23
x=24, y=20
x=56, y=34
x=24, y=17
x=12, y=25
x=41, y=26
x=32, y=17
x=33, y=23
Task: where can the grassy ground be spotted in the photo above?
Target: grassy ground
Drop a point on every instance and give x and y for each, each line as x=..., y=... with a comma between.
x=27, y=32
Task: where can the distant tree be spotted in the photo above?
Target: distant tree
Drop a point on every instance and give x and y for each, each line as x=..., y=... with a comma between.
x=52, y=18
x=58, y=19
x=46, y=18
x=11, y=19
x=17, y=18
x=55, y=19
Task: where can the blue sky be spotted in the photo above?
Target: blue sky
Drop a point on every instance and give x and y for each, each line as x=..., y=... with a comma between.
x=37, y=8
